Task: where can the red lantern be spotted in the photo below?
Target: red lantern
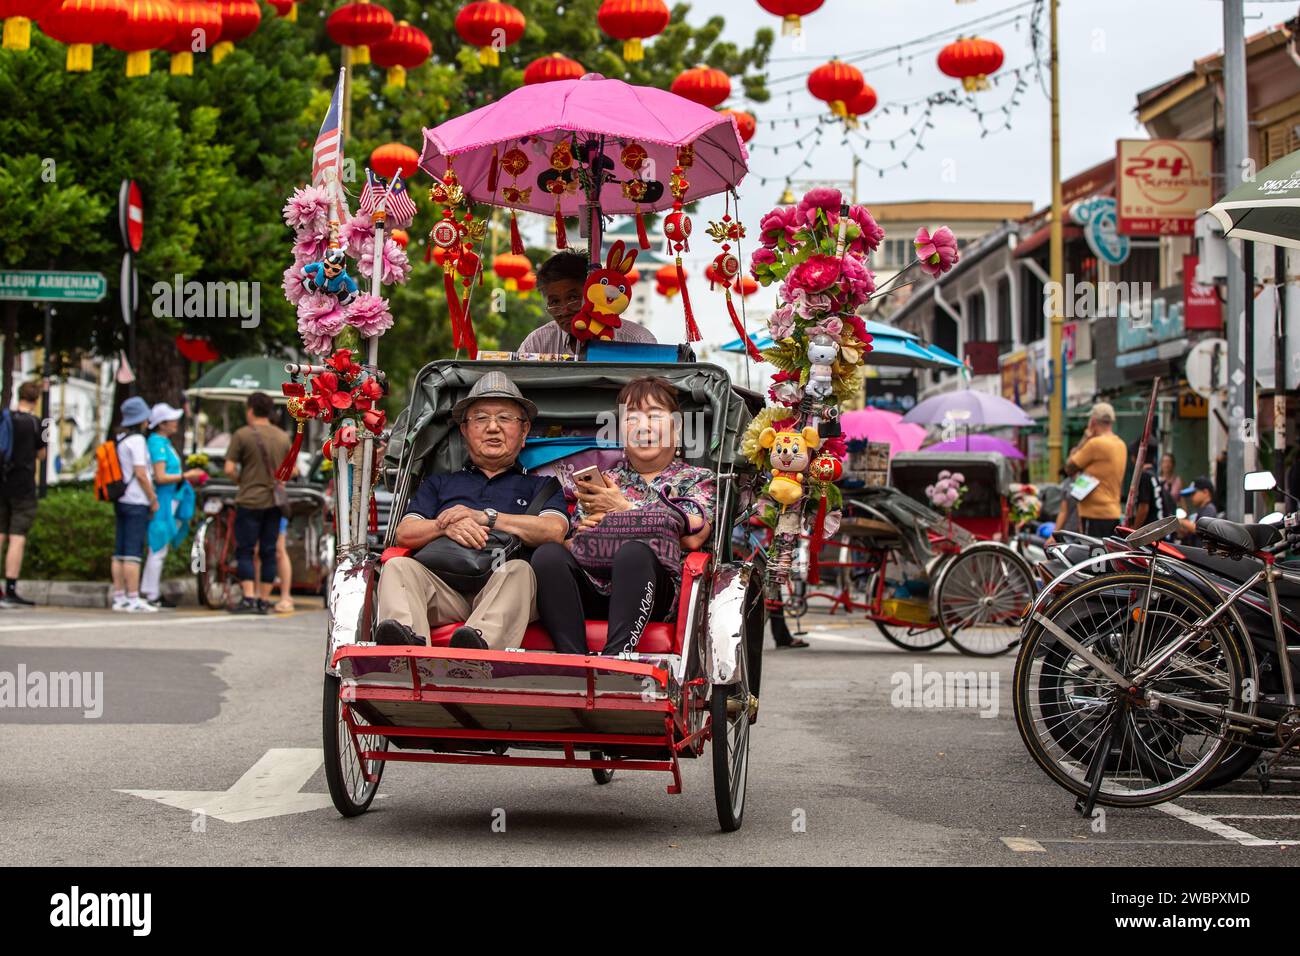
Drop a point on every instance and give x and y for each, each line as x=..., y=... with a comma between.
x=836, y=83
x=511, y=268
x=198, y=25
x=790, y=12
x=547, y=69
x=745, y=123
x=18, y=16
x=722, y=270
x=196, y=349
x=703, y=85
x=633, y=21
x=386, y=160
x=149, y=25
x=404, y=49
x=746, y=285
x=357, y=25
x=633, y=275
x=239, y=21
x=971, y=60
x=81, y=24
x=286, y=9
x=666, y=283
x=860, y=105
x=528, y=282
x=491, y=26
x=400, y=236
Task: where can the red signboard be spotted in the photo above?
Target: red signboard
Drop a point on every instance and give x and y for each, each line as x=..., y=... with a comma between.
x=1162, y=185
x=982, y=357
x=130, y=213
x=1201, y=306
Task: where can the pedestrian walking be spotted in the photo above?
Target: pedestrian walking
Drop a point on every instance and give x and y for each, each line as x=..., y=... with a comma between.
x=18, y=488
x=133, y=509
x=252, y=457
x=175, y=499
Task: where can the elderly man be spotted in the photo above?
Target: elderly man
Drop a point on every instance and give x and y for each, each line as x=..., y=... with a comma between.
x=490, y=492
x=1101, y=456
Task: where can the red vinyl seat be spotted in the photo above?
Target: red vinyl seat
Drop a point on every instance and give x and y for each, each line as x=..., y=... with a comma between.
x=658, y=638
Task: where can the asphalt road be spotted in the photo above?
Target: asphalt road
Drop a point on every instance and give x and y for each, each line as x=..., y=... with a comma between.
x=193, y=702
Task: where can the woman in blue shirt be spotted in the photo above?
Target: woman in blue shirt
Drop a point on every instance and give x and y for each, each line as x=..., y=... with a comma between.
x=175, y=499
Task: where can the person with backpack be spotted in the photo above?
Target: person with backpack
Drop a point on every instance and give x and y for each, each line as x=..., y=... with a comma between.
x=254, y=454
x=21, y=447
x=134, y=502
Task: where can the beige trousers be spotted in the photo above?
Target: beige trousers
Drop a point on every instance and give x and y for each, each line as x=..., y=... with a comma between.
x=411, y=594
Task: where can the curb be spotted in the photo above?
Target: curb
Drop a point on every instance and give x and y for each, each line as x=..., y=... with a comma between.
x=97, y=593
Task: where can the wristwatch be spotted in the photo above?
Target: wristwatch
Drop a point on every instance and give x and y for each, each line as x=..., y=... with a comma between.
x=491, y=515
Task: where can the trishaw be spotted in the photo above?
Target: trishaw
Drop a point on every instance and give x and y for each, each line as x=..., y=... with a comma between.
x=983, y=510
x=923, y=579
x=691, y=682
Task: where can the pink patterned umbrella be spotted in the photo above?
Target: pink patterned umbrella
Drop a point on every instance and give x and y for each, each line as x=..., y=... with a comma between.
x=876, y=424
x=615, y=118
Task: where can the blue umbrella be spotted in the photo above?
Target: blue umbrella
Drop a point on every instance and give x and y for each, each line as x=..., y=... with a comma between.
x=889, y=346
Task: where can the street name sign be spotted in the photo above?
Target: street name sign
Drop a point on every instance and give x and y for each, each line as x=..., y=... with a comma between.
x=53, y=286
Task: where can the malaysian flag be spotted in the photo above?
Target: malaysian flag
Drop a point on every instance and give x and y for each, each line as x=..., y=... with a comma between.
x=398, y=206
x=328, y=152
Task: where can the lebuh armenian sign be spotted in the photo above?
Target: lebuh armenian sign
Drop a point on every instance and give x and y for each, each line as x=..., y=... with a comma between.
x=53, y=286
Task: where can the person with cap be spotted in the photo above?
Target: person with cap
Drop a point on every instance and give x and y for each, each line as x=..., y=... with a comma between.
x=134, y=509
x=1198, y=502
x=254, y=453
x=1100, y=457
x=175, y=499
x=18, y=489
x=491, y=491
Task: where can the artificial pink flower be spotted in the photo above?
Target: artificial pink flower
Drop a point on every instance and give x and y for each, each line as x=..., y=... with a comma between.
x=872, y=234
x=938, y=253
x=397, y=267
x=369, y=315
x=814, y=274
x=354, y=232
x=308, y=210
x=830, y=325
x=762, y=256
x=810, y=308
x=856, y=281
x=320, y=318
x=294, y=283
x=311, y=248
x=823, y=197
x=780, y=222
x=780, y=324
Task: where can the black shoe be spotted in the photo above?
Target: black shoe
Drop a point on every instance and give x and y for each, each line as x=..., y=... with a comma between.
x=247, y=606
x=395, y=632
x=468, y=637
x=13, y=600
x=163, y=601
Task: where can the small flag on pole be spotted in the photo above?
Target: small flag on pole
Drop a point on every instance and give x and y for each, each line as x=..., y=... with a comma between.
x=398, y=206
x=328, y=154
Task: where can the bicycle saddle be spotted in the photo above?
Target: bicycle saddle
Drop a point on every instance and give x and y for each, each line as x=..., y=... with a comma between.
x=1232, y=536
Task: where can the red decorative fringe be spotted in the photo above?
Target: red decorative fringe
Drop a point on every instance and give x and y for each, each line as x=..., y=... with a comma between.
x=692, y=330
x=374, y=515
x=453, y=308
x=642, y=237
x=750, y=347
x=516, y=240
x=290, y=464
x=492, y=173
x=428, y=250
x=815, y=543
x=561, y=240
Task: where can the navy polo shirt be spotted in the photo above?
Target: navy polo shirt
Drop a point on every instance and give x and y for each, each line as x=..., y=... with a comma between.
x=509, y=492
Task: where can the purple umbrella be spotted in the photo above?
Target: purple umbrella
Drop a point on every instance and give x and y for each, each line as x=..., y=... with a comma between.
x=969, y=409
x=979, y=443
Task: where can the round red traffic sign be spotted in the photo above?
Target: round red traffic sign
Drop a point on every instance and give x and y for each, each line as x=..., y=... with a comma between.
x=130, y=210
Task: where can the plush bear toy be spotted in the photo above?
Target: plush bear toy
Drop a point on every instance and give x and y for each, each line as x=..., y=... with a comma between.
x=789, y=458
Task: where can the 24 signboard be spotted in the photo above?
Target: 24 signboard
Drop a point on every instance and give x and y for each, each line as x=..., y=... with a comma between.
x=1162, y=185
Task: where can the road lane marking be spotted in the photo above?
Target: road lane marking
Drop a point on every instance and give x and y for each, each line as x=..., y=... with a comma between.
x=1239, y=796
x=134, y=621
x=1023, y=845
x=1257, y=816
x=1217, y=827
x=269, y=789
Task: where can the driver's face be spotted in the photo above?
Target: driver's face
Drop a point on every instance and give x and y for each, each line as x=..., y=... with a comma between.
x=563, y=298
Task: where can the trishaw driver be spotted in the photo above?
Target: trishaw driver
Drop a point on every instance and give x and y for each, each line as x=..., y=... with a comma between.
x=492, y=491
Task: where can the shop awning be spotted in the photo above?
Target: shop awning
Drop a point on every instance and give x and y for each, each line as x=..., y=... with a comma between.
x=1043, y=236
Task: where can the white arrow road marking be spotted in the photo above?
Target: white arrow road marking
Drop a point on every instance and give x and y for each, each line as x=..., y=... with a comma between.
x=269, y=789
x=1023, y=845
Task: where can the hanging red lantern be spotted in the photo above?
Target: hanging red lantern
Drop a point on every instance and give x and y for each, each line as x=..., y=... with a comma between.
x=790, y=12
x=149, y=25
x=356, y=25
x=836, y=83
x=194, y=348
x=633, y=21
x=18, y=16
x=547, y=69
x=528, y=283
x=666, y=282
x=860, y=105
x=404, y=49
x=491, y=26
x=971, y=60
x=81, y=24
x=198, y=28
x=286, y=9
x=746, y=285
x=239, y=21
x=633, y=275
x=511, y=268
x=401, y=237
x=745, y=123
x=387, y=159
x=703, y=85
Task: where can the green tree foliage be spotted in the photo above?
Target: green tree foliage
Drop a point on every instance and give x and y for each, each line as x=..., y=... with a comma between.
x=216, y=155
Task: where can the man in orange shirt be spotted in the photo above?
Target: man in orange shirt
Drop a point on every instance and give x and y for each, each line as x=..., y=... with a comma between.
x=1101, y=457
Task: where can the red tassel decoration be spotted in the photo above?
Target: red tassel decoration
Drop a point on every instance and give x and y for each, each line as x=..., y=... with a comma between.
x=561, y=240
x=642, y=236
x=289, y=466
x=750, y=347
x=516, y=240
x=815, y=543
x=374, y=515
x=453, y=308
x=428, y=251
x=692, y=330
x=492, y=173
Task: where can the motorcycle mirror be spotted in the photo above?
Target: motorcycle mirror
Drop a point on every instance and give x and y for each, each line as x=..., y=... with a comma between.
x=1260, y=481
x=1181, y=513
x=1274, y=518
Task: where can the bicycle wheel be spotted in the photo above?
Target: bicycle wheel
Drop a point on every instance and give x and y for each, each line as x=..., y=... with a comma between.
x=1079, y=724
x=910, y=639
x=981, y=595
x=215, y=584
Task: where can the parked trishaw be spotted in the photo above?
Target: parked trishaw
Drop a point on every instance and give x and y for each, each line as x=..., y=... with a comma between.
x=983, y=510
x=691, y=682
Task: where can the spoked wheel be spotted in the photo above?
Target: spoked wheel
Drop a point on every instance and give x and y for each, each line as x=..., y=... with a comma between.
x=600, y=774
x=731, y=707
x=908, y=638
x=1081, y=727
x=981, y=596
x=216, y=586
x=351, y=792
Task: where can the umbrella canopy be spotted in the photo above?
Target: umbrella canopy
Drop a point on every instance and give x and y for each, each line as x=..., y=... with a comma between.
x=615, y=116
x=970, y=408
x=1266, y=209
x=235, y=379
x=969, y=442
x=889, y=346
x=878, y=425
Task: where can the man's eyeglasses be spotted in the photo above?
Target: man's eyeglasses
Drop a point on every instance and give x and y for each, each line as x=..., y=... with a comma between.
x=482, y=420
x=568, y=305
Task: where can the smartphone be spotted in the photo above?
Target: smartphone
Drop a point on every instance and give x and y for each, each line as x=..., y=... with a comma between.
x=592, y=474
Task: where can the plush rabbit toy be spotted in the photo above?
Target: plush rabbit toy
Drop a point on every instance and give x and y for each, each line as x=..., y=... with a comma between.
x=606, y=294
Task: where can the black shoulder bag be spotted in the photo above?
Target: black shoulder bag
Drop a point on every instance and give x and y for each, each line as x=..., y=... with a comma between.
x=468, y=569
